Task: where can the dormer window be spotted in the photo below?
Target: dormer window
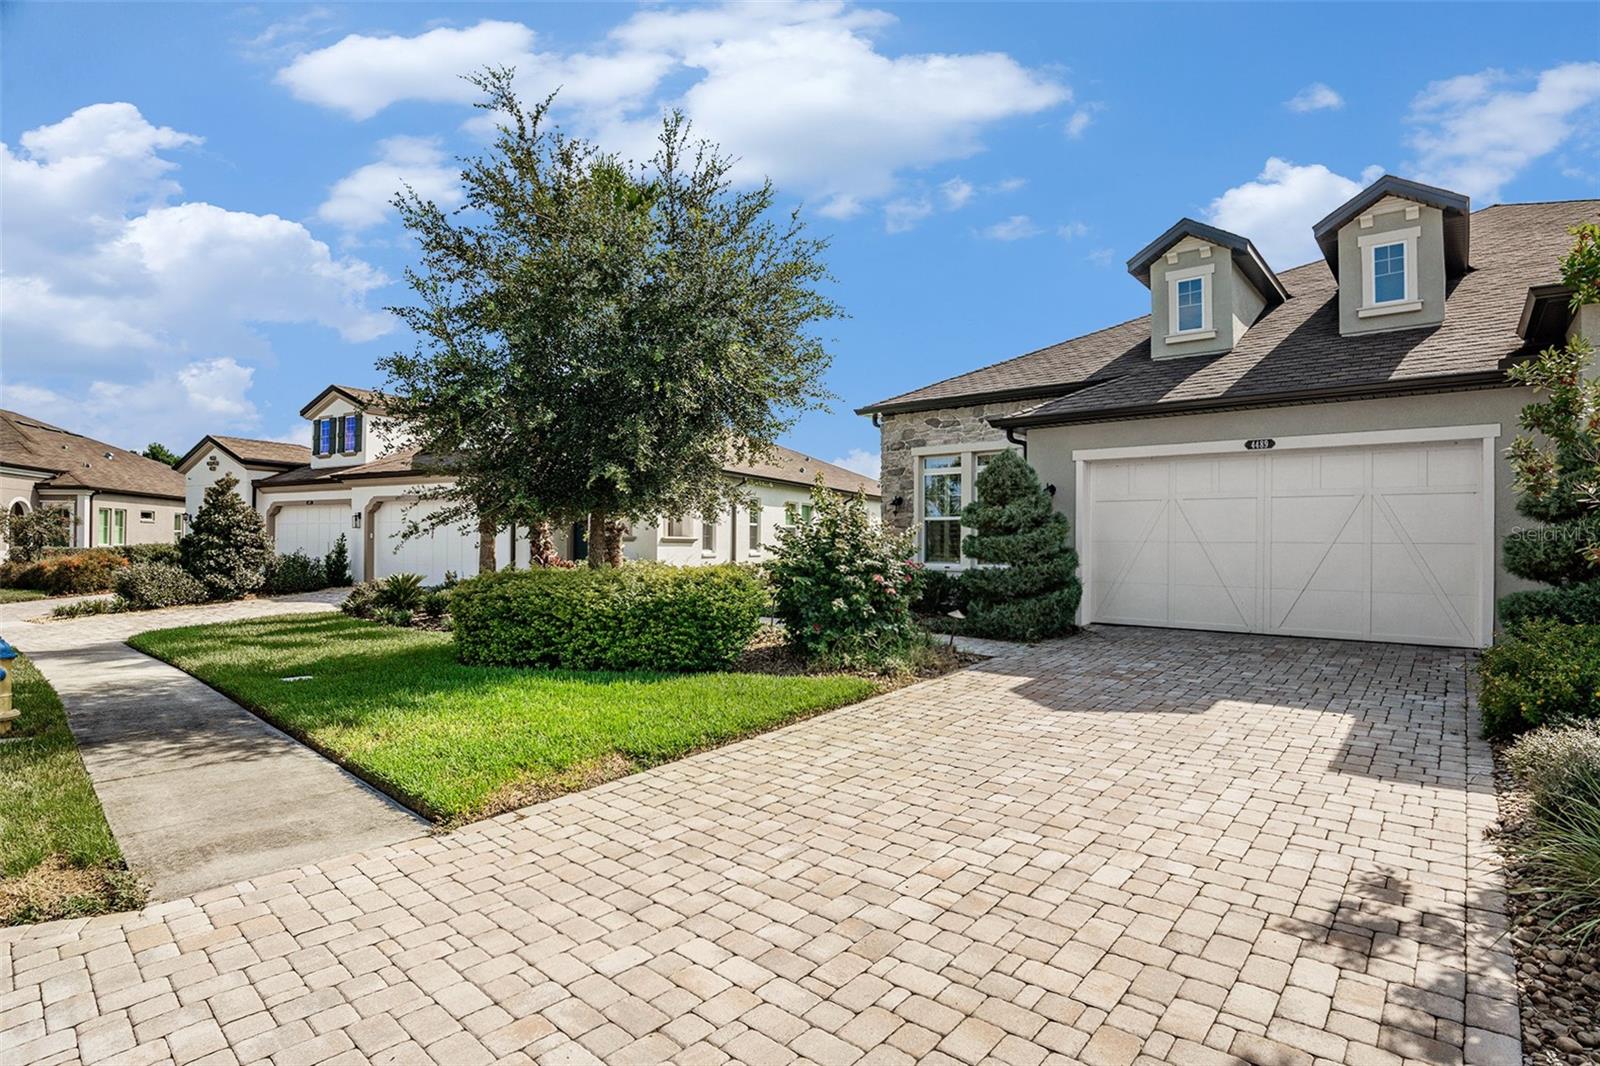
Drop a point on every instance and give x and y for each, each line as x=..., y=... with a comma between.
x=1191, y=304
x=324, y=436
x=1389, y=282
x=1388, y=273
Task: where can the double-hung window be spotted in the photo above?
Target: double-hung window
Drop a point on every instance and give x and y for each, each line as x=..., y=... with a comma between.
x=679, y=529
x=708, y=534
x=1191, y=304
x=324, y=436
x=941, y=508
x=1388, y=273
x=755, y=527
x=348, y=442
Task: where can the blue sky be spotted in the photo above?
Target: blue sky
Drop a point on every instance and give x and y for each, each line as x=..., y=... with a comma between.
x=195, y=238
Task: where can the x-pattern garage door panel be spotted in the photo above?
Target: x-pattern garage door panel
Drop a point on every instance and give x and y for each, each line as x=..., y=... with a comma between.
x=431, y=554
x=1382, y=543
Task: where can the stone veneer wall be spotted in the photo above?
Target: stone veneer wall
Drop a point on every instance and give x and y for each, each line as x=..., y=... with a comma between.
x=920, y=429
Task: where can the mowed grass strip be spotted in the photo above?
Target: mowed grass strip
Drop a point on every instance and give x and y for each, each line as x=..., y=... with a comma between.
x=19, y=595
x=58, y=858
x=457, y=742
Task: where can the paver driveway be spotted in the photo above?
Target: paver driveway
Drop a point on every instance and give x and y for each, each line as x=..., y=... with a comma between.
x=1127, y=846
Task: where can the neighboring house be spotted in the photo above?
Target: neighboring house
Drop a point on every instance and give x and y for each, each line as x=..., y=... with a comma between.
x=358, y=478
x=1317, y=452
x=115, y=497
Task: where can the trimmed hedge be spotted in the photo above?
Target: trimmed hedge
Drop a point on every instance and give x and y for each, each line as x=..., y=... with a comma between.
x=295, y=572
x=83, y=571
x=1544, y=672
x=635, y=617
x=151, y=586
x=1573, y=604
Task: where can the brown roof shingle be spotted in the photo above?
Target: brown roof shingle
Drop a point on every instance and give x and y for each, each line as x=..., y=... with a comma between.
x=80, y=462
x=1294, y=349
x=796, y=468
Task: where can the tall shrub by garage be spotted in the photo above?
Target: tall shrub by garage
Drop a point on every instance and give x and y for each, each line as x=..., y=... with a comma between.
x=227, y=548
x=641, y=616
x=1556, y=462
x=1025, y=584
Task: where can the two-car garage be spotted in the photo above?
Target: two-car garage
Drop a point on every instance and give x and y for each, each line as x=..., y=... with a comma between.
x=1386, y=536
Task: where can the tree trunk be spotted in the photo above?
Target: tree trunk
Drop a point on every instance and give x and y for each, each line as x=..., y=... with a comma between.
x=614, y=528
x=541, y=544
x=597, y=540
x=486, y=532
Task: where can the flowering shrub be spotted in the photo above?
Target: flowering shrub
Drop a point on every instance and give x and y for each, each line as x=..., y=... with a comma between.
x=843, y=584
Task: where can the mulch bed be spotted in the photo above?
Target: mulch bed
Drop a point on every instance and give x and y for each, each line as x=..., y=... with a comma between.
x=1558, y=977
x=769, y=654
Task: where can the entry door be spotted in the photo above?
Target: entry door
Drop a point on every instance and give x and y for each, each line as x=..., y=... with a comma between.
x=1373, y=543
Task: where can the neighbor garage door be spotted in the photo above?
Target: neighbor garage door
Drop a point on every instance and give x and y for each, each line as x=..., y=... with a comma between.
x=430, y=554
x=309, y=527
x=1380, y=542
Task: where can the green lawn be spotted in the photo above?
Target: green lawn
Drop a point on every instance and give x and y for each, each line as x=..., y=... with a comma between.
x=19, y=595
x=457, y=742
x=58, y=858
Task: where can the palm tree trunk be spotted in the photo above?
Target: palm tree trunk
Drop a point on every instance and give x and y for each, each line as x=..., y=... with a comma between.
x=597, y=540
x=614, y=528
x=541, y=543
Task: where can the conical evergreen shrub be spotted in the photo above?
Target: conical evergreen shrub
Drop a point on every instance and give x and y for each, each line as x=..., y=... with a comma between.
x=227, y=548
x=1025, y=586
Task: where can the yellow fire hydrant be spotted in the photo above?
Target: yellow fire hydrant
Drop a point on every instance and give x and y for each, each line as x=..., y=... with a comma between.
x=8, y=714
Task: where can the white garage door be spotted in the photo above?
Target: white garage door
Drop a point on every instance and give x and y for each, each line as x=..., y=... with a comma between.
x=1371, y=543
x=429, y=554
x=309, y=527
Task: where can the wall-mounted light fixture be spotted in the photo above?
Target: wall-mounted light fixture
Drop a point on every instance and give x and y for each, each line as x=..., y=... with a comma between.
x=1050, y=488
x=896, y=503
x=355, y=520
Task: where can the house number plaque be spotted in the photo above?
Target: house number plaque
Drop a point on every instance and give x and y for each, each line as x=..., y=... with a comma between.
x=1259, y=444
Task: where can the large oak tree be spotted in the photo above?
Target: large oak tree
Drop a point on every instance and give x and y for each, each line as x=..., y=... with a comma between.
x=598, y=338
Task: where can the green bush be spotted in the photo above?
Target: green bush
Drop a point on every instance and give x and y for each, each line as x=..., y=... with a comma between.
x=1030, y=589
x=436, y=602
x=1554, y=553
x=227, y=548
x=336, y=567
x=635, y=617
x=295, y=572
x=1561, y=865
x=401, y=592
x=1573, y=604
x=362, y=600
x=843, y=584
x=153, y=553
x=113, y=605
x=1544, y=672
x=939, y=592
x=149, y=586
x=1558, y=763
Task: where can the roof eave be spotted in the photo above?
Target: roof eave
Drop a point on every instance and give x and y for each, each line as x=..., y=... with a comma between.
x=1456, y=206
x=1437, y=383
x=967, y=399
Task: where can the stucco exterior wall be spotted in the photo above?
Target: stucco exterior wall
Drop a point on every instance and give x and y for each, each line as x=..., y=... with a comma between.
x=1220, y=282
x=902, y=434
x=1050, y=448
x=201, y=477
x=158, y=529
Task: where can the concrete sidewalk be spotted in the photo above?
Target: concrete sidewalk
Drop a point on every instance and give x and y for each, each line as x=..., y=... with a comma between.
x=199, y=791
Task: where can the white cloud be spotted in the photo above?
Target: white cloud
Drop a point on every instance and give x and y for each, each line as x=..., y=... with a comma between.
x=110, y=288
x=796, y=92
x=362, y=75
x=1315, y=97
x=861, y=461
x=904, y=213
x=1015, y=228
x=1476, y=132
x=1277, y=210
x=1068, y=231
x=170, y=408
x=361, y=199
x=956, y=192
x=1080, y=120
x=1103, y=257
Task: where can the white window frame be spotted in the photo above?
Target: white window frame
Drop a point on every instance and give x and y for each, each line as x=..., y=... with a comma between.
x=681, y=529
x=147, y=516
x=968, y=469
x=1369, y=245
x=753, y=528
x=108, y=526
x=708, y=537
x=1208, y=328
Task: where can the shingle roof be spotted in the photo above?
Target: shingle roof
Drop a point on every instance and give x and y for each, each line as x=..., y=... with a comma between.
x=357, y=395
x=250, y=451
x=402, y=462
x=797, y=468
x=79, y=462
x=1295, y=349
